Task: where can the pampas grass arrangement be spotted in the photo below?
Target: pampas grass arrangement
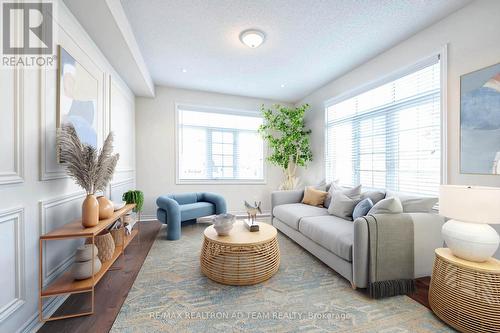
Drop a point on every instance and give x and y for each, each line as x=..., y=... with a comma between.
x=91, y=168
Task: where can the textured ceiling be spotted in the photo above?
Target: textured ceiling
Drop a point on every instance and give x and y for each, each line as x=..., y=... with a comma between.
x=308, y=42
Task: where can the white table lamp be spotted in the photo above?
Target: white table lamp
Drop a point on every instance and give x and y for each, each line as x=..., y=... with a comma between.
x=471, y=209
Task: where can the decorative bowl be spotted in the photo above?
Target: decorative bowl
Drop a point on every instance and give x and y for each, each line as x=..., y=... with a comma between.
x=223, y=223
x=119, y=205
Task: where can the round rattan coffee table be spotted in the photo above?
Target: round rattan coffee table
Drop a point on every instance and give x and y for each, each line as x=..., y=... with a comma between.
x=242, y=257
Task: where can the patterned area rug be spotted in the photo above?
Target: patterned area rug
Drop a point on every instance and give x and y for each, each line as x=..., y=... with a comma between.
x=171, y=294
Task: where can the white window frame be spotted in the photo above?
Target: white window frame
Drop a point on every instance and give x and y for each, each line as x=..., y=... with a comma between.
x=442, y=53
x=179, y=106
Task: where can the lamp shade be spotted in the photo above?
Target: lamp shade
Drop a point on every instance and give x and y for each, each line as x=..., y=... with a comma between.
x=473, y=204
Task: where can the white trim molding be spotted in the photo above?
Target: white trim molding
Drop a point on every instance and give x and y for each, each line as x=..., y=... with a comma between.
x=45, y=173
x=17, y=175
x=16, y=215
x=443, y=57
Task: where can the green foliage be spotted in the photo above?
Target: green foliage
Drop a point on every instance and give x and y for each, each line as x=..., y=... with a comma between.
x=134, y=196
x=286, y=134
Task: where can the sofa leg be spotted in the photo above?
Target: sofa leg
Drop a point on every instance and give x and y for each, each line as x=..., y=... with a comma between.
x=173, y=231
x=353, y=286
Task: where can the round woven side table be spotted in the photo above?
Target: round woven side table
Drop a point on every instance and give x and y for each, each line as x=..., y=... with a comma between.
x=465, y=294
x=242, y=257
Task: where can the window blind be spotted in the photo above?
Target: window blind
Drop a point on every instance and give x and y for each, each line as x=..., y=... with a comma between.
x=219, y=145
x=389, y=136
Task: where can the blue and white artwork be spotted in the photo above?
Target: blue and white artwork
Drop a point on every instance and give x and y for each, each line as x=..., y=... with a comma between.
x=77, y=98
x=480, y=121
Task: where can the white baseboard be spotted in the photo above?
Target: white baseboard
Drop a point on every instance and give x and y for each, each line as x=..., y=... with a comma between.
x=239, y=215
x=34, y=324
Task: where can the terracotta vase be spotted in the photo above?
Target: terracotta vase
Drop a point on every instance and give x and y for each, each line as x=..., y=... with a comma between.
x=90, y=211
x=106, y=207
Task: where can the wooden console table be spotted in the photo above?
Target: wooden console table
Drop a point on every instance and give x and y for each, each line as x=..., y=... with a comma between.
x=65, y=284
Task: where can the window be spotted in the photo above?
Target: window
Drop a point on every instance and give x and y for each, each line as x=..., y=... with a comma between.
x=389, y=136
x=219, y=145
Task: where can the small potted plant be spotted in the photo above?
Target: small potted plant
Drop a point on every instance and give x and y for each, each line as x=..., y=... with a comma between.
x=136, y=197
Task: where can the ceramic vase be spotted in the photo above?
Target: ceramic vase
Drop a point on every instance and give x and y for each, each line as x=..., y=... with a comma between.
x=106, y=208
x=90, y=211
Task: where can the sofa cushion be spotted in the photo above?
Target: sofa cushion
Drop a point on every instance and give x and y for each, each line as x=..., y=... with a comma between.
x=342, y=206
x=352, y=193
x=332, y=233
x=185, y=198
x=374, y=196
x=194, y=210
x=291, y=214
x=362, y=208
x=313, y=196
x=414, y=203
x=390, y=205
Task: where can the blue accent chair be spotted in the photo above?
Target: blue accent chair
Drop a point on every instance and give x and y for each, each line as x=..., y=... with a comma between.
x=186, y=207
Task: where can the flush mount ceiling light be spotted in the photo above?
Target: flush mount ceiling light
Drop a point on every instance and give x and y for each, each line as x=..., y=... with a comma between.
x=252, y=38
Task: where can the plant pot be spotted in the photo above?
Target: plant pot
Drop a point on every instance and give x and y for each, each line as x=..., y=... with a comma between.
x=90, y=211
x=106, y=208
x=105, y=245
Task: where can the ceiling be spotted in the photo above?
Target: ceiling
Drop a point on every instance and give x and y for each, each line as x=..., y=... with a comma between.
x=194, y=43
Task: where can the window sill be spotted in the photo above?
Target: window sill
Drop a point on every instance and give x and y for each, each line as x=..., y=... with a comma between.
x=221, y=182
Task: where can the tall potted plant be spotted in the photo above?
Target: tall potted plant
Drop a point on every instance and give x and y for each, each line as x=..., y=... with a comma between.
x=288, y=138
x=90, y=168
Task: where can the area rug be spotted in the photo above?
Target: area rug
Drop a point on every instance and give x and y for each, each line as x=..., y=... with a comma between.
x=171, y=294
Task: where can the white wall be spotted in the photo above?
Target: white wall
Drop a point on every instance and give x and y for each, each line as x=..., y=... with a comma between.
x=36, y=196
x=472, y=35
x=155, y=126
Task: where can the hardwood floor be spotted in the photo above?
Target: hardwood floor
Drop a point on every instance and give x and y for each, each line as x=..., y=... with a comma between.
x=422, y=294
x=111, y=291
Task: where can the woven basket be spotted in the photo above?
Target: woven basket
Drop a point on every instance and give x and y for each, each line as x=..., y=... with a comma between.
x=105, y=244
x=118, y=236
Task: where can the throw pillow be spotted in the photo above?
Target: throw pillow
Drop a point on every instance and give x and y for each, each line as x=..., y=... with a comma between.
x=362, y=208
x=342, y=206
x=414, y=203
x=313, y=197
x=375, y=196
x=352, y=193
x=390, y=205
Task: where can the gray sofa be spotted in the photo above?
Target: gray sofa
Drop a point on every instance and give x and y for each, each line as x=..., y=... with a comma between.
x=343, y=244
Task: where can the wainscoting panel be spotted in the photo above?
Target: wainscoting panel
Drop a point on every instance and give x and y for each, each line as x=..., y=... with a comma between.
x=123, y=126
x=11, y=127
x=58, y=254
x=12, y=256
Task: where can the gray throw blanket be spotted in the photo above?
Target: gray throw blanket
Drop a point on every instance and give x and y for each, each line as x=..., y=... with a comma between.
x=391, y=266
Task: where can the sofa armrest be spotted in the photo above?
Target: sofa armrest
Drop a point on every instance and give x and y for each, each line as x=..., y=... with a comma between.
x=165, y=202
x=170, y=206
x=427, y=233
x=360, y=253
x=427, y=237
x=285, y=197
x=217, y=200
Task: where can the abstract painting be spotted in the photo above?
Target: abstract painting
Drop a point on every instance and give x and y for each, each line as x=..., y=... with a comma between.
x=77, y=93
x=480, y=121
